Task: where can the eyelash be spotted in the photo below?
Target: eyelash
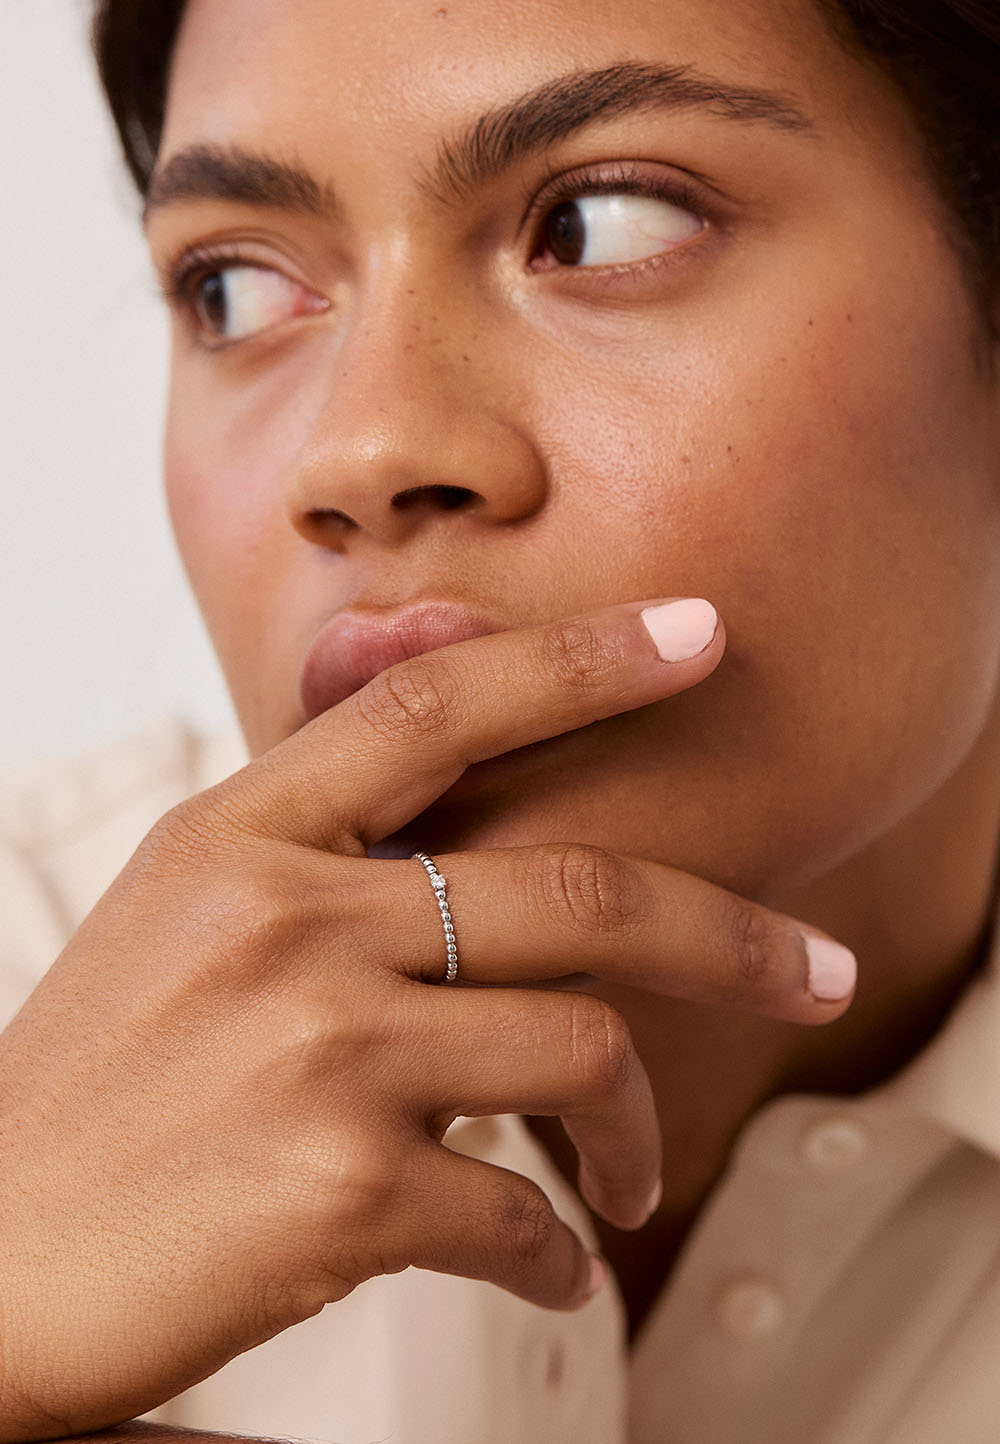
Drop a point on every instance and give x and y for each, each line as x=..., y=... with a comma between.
x=193, y=265
x=620, y=179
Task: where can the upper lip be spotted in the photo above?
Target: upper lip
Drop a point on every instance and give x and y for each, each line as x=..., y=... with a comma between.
x=353, y=647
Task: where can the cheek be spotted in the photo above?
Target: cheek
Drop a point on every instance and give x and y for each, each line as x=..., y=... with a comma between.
x=231, y=444
x=224, y=473
x=835, y=492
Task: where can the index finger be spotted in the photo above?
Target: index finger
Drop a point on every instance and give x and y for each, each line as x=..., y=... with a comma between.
x=374, y=762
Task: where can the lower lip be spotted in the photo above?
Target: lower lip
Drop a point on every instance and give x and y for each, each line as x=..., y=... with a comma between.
x=351, y=650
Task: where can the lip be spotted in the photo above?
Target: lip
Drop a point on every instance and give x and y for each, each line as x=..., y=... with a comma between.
x=354, y=647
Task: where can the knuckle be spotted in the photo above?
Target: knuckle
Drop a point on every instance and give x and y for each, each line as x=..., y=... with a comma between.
x=186, y=833
x=247, y=920
x=582, y=657
x=527, y=1220
x=365, y=1184
x=347, y=1176
x=199, y=825
x=349, y=1193
x=753, y=945
x=317, y=1046
x=411, y=700
x=262, y=911
x=601, y=1046
x=593, y=890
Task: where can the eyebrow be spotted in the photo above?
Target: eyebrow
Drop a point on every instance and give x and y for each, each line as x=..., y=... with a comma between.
x=489, y=146
x=555, y=110
x=230, y=173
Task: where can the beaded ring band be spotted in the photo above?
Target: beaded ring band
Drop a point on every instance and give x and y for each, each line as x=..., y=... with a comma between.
x=438, y=884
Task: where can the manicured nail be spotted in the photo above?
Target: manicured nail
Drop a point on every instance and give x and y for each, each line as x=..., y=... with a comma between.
x=681, y=630
x=598, y=1277
x=833, y=969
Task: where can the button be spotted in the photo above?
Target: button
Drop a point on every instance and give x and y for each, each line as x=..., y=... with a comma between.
x=835, y=1144
x=555, y=1370
x=751, y=1309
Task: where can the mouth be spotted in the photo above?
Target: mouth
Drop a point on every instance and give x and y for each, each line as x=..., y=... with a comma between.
x=354, y=647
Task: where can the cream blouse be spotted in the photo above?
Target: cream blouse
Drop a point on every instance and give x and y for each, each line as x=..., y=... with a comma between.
x=842, y=1285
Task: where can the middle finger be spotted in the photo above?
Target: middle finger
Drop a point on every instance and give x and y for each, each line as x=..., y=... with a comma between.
x=534, y=913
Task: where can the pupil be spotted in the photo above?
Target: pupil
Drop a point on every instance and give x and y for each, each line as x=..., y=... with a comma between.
x=566, y=234
x=212, y=302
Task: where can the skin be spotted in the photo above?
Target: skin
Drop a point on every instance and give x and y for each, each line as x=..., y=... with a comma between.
x=728, y=430
x=795, y=419
x=793, y=416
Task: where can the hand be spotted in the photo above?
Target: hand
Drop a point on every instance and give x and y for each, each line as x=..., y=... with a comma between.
x=223, y=1107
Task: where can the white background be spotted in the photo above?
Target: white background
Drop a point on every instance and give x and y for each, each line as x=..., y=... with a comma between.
x=99, y=634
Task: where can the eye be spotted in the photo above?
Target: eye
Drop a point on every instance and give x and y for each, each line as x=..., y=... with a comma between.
x=615, y=229
x=234, y=301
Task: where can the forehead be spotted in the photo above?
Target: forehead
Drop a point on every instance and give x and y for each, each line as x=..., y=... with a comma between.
x=404, y=69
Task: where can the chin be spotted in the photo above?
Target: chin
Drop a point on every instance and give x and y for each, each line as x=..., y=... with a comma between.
x=748, y=838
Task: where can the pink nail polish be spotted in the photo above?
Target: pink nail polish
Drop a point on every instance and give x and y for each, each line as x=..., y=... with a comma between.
x=683, y=629
x=833, y=969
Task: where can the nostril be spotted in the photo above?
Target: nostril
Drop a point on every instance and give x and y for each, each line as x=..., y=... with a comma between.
x=321, y=523
x=449, y=498
x=411, y=507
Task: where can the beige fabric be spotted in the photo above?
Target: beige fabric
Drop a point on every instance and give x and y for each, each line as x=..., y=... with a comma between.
x=842, y=1285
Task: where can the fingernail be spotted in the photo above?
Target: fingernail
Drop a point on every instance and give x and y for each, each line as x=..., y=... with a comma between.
x=655, y=1198
x=833, y=969
x=598, y=1277
x=681, y=630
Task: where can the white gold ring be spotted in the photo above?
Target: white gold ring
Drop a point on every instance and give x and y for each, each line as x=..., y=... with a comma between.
x=440, y=893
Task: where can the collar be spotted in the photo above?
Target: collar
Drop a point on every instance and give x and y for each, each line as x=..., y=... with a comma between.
x=955, y=1080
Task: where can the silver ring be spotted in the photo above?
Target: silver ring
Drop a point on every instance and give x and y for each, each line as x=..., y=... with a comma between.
x=438, y=884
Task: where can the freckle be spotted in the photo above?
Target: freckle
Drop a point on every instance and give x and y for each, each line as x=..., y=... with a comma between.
x=729, y=448
x=685, y=461
x=411, y=293
x=811, y=322
x=850, y=317
x=466, y=358
x=440, y=14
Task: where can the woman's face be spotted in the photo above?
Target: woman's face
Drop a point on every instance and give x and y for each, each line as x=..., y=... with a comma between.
x=636, y=334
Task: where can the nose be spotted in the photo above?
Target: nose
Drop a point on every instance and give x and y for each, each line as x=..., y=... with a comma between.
x=415, y=425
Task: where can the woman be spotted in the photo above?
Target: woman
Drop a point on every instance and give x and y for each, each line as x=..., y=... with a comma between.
x=583, y=445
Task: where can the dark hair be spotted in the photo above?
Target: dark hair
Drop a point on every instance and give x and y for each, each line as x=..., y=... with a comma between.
x=944, y=54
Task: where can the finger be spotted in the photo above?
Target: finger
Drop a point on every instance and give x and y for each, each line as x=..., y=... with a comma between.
x=566, y=1055
x=369, y=765
x=534, y=913
x=492, y=1224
